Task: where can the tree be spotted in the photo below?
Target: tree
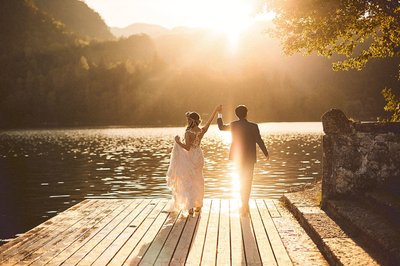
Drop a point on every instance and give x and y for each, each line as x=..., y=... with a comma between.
x=354, y=30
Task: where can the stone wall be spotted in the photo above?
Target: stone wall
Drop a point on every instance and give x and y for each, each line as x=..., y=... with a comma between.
x=358, y=157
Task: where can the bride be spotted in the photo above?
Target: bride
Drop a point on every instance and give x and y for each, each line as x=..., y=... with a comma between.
x=185, y=172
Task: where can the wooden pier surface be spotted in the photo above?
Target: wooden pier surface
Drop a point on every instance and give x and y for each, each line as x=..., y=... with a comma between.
x=139, y=232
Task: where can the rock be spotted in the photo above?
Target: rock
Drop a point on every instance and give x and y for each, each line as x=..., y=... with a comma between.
x=336, y=122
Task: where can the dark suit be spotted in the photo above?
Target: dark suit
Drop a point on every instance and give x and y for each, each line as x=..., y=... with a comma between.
x=245, y=136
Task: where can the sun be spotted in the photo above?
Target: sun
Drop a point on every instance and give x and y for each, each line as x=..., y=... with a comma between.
x=235, y=18
x=229, y=17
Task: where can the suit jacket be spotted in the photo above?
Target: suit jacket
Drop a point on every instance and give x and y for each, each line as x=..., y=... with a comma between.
x=245, y=136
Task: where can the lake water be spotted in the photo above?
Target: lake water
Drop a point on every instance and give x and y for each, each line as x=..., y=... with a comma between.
x=43, y=172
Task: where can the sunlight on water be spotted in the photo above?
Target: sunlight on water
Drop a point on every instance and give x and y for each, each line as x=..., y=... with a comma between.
x=235, y=185
x=292, y=128
x=226, y=137
x=43, y=172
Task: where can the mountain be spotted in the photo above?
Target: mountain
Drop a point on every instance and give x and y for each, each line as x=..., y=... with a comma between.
x=77, y=17
x=140, y=28
x=153, y=30
x=26, y=29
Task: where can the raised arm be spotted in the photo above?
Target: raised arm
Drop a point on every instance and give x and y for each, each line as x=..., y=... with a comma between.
x=207, y=125
x=261, y=143
x=220, y=123
x=222, y=126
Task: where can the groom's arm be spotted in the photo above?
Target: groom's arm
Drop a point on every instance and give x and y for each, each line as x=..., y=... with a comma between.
x=221, y=125
x=261, y=143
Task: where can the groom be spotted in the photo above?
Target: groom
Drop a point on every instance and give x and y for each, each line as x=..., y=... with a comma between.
x=245, y=136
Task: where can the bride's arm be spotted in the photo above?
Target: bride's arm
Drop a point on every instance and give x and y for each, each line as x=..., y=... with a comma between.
x=207, y=125
x=188, y=141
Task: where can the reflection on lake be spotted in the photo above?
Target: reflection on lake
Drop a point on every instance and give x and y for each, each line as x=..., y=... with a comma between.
x=43, y=172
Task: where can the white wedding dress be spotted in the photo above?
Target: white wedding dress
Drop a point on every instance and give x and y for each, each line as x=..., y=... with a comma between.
x=185, y=176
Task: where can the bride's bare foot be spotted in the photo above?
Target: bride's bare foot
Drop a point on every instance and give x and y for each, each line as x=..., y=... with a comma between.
x=197, y=209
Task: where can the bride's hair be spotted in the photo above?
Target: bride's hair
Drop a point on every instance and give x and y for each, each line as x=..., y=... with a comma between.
x=193, y=120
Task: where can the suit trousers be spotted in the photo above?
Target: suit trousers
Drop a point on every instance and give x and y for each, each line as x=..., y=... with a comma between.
x=246, y=170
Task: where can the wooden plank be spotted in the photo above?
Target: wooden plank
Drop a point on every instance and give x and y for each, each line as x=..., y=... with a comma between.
x=182, y=249
x=66, y=227
x=196, y=249
x=278, y=248
x=130, y=237
x=249, y=240
x=141, y=248
x=48, y=250
x=168, y=249
x=273, y=211
x=224, y=241
x=27, y=236
x=264, y=246
x=154, y=250
x=87, y=236
x=57, y=254
x=132, y=220
x=84, y=250
x=237, y=248
x=41, y=230
x=210, y=244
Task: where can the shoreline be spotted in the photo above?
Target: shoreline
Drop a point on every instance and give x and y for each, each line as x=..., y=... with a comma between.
x=143, y=126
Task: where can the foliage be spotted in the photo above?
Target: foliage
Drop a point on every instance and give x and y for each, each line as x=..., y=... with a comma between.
x=358, y=29
x=392, y=104
x=354, y=30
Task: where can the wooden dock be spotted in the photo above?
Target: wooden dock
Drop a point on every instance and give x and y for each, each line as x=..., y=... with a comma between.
x=139, y=232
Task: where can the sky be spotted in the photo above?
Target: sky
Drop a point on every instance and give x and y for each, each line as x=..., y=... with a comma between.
x=217, y=14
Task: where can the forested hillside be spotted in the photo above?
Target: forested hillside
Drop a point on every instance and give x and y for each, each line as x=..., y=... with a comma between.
x=50, y=76
x=57, y=70
x=25, y=29
x=77, y=17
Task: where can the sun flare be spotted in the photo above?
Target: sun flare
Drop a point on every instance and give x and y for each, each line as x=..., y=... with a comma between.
x=235, y=182
x=228, y=17
x=234, y=17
